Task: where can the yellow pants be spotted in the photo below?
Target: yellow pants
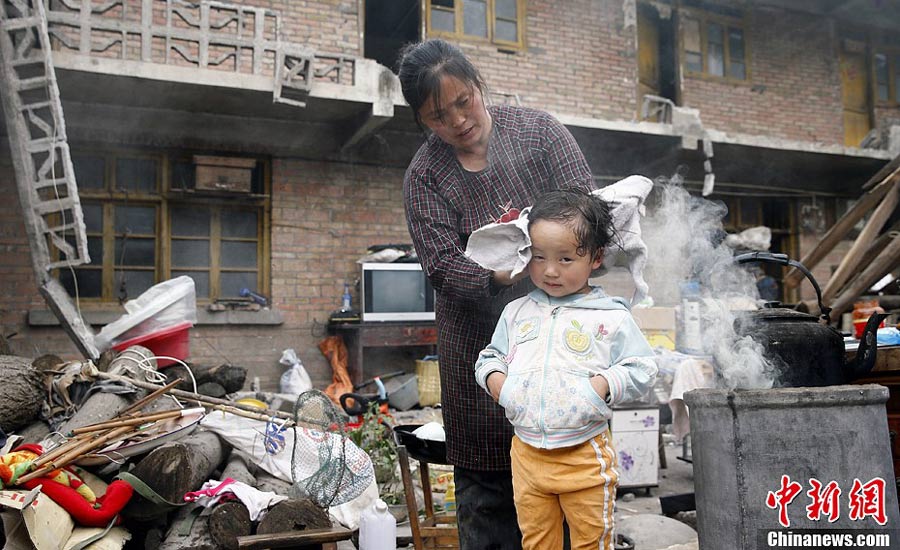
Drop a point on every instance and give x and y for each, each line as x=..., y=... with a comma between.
x=576, y=483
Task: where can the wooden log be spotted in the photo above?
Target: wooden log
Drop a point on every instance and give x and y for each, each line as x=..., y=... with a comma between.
x=188, y=530
x=21, y=392
x=230, y=377
x=102, y=406
x=237, y=467
x=269, y=483
x=177, y=468
x=851, y=261
x=34, y=432
x=293, y=515
x=841, y=228
x=227, y=522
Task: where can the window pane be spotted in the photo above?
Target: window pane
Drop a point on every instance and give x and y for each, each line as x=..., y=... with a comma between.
x=897, y=78
x=233, y=282
x=443, y=3
x=201, y=281
x=135, y=251
x=507, y=30
x=89, y=282
x=442, y=20
x=136, y=175
x=736, y=45
x=135, y=283
x=716, y=59
x=238, y=254
x=506, y=9
x=881, y=77
x=93, y=217
x=691, y=35
x=737, y=70
x=190, y=222
x=475, y=18
x=183, y=175
x=714, y=34
x=89, y=172
x=240, y=223
x=692, y=62
x=190, y=253
x=95, y=249
x=135, y=220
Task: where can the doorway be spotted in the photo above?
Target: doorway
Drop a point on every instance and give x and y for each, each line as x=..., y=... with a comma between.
x=390, y=25
x=656, y=55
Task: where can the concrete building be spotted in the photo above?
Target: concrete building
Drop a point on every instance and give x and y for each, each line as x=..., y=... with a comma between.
x=790, y=106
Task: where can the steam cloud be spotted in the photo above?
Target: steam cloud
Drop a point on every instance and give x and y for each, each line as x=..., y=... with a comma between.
x=685, y=241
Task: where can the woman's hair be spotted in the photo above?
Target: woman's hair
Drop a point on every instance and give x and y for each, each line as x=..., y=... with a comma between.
x=588, y=214
x=423, y=64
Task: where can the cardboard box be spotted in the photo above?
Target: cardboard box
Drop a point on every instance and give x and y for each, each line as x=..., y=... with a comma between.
x=657, y=324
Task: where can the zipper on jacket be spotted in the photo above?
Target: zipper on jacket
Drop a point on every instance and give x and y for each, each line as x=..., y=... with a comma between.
x=542, y=423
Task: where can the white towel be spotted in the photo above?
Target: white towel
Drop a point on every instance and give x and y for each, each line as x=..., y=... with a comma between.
x=507, y=246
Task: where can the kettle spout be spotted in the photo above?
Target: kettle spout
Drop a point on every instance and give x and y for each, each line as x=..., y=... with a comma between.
x=868, y=348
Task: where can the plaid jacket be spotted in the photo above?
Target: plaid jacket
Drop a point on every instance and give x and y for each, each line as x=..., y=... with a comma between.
x=529, y=152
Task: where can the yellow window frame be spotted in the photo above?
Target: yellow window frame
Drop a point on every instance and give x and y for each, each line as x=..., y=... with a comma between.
x=491, y=23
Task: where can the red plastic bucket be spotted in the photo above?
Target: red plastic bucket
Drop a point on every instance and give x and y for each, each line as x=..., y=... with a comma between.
x=173, y=341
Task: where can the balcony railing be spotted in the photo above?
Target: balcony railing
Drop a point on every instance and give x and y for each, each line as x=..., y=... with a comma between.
x=206, y=35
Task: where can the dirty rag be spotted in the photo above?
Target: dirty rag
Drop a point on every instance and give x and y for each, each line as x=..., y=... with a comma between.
x=214, y=491
x=506, y=246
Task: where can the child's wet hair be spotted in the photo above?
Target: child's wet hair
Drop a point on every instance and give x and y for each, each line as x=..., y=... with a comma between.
x=588, y=214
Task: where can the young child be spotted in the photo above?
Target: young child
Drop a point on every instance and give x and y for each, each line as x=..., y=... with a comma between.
x=559, y=359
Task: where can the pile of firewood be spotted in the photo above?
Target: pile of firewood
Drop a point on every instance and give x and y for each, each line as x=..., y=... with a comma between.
x=169, y=470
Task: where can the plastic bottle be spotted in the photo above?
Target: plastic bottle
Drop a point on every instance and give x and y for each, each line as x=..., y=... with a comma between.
x=690, y=334
x=377, y=528
x=346, y=304
x=450, y=495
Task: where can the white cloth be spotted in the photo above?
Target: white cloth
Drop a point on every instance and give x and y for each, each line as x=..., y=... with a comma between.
x=213, y=491
x=507, y=246
x=690, y=374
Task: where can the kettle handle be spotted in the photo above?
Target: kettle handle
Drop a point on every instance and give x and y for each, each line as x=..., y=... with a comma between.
x=785, y=260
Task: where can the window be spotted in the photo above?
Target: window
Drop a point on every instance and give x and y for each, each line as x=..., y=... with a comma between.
x=887, y=77
x=147, y=223
x=713, y=45
x=498, y=21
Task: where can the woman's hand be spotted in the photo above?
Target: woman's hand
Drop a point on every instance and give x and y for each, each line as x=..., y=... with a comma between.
x=505, y=278
x=600, y=385
x=494, y=383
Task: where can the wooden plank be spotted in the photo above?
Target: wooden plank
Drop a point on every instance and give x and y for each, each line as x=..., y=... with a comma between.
x=886, y=261
x=851, y=261
x=841, y=228
x=294, y=539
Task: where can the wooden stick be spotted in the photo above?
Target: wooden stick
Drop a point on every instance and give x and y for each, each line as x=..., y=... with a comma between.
x=294, y=539
x=75, y=453
x=850, y=262
x=61, y=449
x=886, y=261
x=205, y=399
x=841, y=228
x=141, y=403
x=116, y=423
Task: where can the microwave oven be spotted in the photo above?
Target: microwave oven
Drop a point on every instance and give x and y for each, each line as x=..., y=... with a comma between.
x=395, y=292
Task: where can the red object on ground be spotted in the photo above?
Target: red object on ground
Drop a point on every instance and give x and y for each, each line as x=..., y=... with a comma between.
x=173, y=341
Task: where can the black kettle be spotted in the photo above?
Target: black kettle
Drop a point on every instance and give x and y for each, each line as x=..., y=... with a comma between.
x=810, y=350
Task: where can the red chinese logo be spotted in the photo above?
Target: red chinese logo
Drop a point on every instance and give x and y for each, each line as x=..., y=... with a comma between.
x=824, y=501
x=865, y=500
x=868, y=500
x=781, y=498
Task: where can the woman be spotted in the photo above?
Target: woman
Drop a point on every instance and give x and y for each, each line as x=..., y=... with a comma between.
x=477, y=163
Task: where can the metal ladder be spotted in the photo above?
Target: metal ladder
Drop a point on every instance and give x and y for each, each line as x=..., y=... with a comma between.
x=40, y=153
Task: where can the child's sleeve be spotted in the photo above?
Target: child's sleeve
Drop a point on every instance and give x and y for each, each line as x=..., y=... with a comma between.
x=632, y=369
x=493, y=357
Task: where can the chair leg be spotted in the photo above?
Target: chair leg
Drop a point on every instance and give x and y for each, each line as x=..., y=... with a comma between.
x=411, y=506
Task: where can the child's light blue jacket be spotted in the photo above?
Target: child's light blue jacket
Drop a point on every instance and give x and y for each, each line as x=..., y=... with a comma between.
x=549, y=348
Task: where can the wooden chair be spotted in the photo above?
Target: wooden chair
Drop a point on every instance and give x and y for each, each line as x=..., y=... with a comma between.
x=434, y=531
